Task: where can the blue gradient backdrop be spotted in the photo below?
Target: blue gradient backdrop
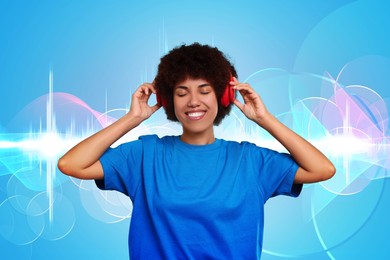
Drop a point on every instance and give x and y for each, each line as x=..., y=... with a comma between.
x=100, y=51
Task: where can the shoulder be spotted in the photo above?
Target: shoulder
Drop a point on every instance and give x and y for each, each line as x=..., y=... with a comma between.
x=133, y=145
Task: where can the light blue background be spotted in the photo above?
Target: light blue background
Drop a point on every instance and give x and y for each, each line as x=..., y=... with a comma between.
x=100, y=51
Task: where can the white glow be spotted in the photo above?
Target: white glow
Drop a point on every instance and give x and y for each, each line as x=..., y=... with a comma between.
x=50, y=145
x=46, y=146
x=344, y=144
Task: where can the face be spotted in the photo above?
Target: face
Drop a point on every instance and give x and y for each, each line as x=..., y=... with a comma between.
x=195, y=106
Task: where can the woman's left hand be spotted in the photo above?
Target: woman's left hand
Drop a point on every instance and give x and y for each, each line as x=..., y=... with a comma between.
x=313, y=165
x=253, y=107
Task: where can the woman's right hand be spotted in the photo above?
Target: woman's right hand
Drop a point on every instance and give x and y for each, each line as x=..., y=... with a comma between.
x=139, y=107
x=82, y=161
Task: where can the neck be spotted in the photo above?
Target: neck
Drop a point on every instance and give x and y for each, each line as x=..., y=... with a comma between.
x=198, y=138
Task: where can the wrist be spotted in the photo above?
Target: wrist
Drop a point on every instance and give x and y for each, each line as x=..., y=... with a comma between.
x=265, y=119
x=131, y=121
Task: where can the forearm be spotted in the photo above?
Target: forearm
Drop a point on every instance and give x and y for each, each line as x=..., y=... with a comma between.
x=88, y=152
x=313, y=165
x=309, y=158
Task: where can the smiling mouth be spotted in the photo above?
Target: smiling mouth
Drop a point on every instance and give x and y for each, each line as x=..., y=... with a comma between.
x=195, y=115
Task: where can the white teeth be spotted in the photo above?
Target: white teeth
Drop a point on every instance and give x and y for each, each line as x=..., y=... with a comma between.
x=195, y=114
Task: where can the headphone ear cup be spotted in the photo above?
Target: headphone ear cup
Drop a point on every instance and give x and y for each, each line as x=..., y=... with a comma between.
x=228, y=94
x=160, y=100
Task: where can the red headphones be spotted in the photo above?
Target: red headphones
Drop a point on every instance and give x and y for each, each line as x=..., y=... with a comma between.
x=226, y=99
x=228, y=94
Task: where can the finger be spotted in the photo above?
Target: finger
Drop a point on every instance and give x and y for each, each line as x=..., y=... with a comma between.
x=234, y=82
x=147, y=89
x=155, y=107
x=243, y=86
x=151, y=87
x=238, y=104
x=245, y=90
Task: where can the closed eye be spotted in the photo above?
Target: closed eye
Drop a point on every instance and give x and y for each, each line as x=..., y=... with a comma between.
x=181, y=91
x=205, y=89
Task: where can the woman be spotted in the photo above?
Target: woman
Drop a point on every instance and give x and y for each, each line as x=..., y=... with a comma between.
x=196, y=196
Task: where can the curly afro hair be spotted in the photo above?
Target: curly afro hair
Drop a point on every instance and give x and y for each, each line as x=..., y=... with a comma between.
x=194, y=61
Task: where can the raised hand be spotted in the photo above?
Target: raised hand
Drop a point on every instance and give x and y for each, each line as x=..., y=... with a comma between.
x=313, y=165
x=139, y=107
x=82, y=161
x=253, y=107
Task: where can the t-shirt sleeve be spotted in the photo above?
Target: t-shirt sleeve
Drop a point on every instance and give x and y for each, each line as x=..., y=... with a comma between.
x=276, y=174
x=122, y=168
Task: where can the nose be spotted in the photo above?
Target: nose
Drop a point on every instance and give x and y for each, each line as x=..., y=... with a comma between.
x=194, y=100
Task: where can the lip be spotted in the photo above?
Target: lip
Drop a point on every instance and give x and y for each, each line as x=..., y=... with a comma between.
x=196, y=114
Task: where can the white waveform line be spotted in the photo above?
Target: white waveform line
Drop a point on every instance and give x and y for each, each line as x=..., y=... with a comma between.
x=50, y=163
x=347, y=131
x=50, y=145
x=43, y=144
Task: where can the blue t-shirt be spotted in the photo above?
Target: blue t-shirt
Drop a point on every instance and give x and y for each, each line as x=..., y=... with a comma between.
x=197, y=201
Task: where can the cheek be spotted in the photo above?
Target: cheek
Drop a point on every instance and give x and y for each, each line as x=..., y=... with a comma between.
x=177, y=105
x=213, y=105
x=212, y=101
